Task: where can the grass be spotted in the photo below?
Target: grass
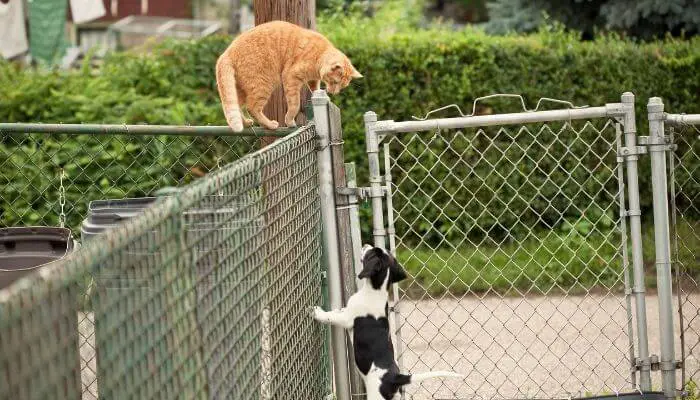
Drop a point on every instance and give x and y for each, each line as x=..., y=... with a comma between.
x=540, y=263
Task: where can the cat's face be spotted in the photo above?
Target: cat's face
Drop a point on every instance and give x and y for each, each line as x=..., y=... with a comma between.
x=337, y=75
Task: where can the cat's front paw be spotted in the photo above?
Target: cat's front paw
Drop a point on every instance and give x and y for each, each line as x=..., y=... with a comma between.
x=289, y=120
x=272, y=125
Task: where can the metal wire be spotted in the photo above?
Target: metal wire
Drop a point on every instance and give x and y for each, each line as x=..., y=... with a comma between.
x=513, y=240
x=499, y=95
x=204, y=295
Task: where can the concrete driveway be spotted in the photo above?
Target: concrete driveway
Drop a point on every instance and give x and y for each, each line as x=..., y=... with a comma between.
x=537, y=347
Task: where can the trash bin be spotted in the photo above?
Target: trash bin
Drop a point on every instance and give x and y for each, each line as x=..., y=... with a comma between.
x=23, y=250
x=211, y=231
x=120, y=287
x=49, y=323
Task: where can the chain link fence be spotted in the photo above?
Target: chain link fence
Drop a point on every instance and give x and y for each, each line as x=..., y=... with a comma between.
x=204, y=295
x=91, y=164
x=685, y=243
x=514, y=241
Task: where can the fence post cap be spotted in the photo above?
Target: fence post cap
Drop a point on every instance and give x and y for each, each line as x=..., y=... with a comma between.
x=627, y=97
x=655, y=104
x=319, y=97
x=370, y=116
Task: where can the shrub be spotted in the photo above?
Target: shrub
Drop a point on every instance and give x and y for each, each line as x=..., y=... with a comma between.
x=407, y=72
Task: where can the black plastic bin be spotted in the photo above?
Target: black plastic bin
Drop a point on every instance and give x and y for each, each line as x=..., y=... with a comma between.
x=23, y=250
x=107, y=214
x=117, y=289
x=212, y=231
x=48, y=324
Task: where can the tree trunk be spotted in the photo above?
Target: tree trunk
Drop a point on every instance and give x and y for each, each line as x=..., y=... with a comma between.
x=302, y=13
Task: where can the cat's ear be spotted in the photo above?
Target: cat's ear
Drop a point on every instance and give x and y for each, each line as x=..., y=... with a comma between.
x=355, y=73
x=328, y=68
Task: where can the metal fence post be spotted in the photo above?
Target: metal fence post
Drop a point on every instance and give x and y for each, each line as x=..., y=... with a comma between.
x=634, y=213
x=344, y=234
x=657, y=151
x=375, y=180
x=320, y=102
x=355, y=231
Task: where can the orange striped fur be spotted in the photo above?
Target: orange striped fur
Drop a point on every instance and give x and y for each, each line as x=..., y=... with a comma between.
x=275, y=53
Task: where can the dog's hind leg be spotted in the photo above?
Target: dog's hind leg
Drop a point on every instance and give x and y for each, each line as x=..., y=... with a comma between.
x=340, y=317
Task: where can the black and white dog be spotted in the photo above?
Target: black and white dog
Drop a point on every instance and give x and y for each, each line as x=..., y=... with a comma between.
x=366, y=316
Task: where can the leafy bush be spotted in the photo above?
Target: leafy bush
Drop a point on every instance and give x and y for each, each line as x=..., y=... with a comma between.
x=407, y=72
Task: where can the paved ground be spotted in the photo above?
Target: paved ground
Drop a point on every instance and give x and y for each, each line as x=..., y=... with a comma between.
x=509, y=348
x=531, y=348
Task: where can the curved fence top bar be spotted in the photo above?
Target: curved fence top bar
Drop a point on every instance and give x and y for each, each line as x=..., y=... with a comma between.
x=177, y=130
x=683, y=119
x=610, y=110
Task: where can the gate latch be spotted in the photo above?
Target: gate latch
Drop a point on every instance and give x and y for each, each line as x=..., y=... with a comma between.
x=655, y=365
x=667, y=144
x=645, y=147
x=630, y=151
x=361, y=192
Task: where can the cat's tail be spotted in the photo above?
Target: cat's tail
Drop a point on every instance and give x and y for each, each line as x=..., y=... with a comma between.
x=226, y=83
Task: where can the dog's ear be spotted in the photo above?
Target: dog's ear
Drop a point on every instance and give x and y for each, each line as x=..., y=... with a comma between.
x=396, y=272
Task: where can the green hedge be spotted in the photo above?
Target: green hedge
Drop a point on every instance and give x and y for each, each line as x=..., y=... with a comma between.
x=407, y=72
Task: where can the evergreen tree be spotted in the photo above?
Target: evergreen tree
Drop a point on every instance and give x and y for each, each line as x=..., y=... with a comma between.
x=639, y=18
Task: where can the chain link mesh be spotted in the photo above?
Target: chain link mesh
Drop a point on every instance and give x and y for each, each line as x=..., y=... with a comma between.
x=513, y=239
x=49, y=179
x=204, y=295
x=99, y=166
x=685, y=217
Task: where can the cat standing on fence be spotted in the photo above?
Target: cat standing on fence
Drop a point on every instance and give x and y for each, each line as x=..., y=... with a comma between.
x=277, y=52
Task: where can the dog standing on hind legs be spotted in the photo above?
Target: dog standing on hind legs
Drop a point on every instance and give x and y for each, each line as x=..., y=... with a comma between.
x=367, y=317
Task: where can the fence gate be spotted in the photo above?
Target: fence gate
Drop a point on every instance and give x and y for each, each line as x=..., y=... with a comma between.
x=522, y=234
x=684, y=182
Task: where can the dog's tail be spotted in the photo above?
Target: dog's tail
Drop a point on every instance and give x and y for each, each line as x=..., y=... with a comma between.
x=403, y=379
x=226, y=83
x=415, y=378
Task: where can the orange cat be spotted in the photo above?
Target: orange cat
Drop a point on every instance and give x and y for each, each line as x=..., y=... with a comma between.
x=277, y=52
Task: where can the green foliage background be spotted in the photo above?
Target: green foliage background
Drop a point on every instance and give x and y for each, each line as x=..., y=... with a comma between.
x=407, y=70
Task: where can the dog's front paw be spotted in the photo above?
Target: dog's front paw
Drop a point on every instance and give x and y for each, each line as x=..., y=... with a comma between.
x=316, y=312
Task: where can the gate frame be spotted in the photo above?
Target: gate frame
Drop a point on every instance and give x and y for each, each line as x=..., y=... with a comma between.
x=623, y=112
x=660, y=143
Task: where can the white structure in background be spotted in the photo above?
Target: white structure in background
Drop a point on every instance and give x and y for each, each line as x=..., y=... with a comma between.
x=12, y=29
x=87, y=10
x=136, y=30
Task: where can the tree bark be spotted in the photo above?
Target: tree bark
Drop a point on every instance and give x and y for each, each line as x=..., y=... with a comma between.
x=302, y=13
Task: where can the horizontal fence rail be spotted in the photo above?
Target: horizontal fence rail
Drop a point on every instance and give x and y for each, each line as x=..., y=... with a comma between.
x=204, y=295
x=170, y=130
x=45, y=165
x=613, y=110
